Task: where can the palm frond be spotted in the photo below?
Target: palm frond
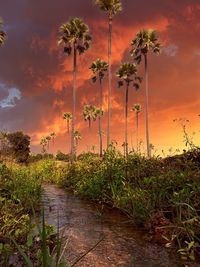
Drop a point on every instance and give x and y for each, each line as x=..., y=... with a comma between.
x=99, y=68
x=3, y=34
x=112, y=7
x=74, y=33
x=127, y=72
x=146, y=40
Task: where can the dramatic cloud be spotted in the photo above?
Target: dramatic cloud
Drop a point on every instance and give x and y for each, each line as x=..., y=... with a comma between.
x=10, y=100
x=32, y=62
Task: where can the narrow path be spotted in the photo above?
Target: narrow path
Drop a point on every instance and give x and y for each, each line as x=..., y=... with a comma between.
x=84, y=226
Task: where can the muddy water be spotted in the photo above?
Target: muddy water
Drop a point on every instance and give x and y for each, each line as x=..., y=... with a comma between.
x=84, y=225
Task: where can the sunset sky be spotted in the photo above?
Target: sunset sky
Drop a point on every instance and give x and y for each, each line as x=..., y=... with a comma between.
x=36, y=77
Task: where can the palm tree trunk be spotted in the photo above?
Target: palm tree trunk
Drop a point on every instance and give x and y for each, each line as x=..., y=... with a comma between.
x=74, y=103
x=68, y=127
x=147, y=106
x=126, y=118
x=137, y=126
x=100, y=120
x=109, y=76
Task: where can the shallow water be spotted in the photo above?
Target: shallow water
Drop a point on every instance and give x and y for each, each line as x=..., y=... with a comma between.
x=83, y=225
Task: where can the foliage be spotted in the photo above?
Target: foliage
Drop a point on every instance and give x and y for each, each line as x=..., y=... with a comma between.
x=15, y=145
x=20, y=146
x=45, y=248
x=145, y=41
x=62, y=157
x=67, y=116
x=137, y=108
x=112, y=7
x=75, y=33
x=38, y=157
x=99, y=68
x=20, y=190
x=127, y=73
x=161, y=194
x=90, y=113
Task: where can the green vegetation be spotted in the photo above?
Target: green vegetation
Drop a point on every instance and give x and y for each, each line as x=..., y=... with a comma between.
x=90, y=114
x=20, y=190
x=15, y=145
x=20, y=193
x=159, y=194
x=48, y=252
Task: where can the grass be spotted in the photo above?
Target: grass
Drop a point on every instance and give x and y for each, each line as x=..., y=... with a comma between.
x=20, y=191
x=21, y=188
x=161, y=195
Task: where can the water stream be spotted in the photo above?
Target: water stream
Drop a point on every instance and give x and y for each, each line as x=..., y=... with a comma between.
x=83, y=225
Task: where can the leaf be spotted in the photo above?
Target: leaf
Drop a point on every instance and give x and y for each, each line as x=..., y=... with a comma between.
x=26, y=258
x=192, y=257
x=29, y=241
x=120, y=84
x=94, y=79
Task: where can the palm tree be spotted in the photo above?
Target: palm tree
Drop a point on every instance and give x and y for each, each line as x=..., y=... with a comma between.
x=145, y=41
x=127, y=74
x=137, y=109
x=2, y=33
x=77, y=137
x=111, y=7
x=99, y=68
x=99, y=114
x=53, y=135
x=89, y=114
x=68, y=117
x=48, y=139
x=43, y=143
x=75, y=37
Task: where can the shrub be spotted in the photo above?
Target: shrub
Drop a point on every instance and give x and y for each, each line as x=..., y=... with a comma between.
x=62, y=157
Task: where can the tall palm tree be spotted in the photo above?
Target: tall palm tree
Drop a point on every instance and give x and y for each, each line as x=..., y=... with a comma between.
x=144, y=42
x=89, y=114
x=137, y=109
x=127, y=74
x=75, y=37
x=48, y=139
x=53, y=135
x=99, y=114
x=2, y=33
x=111, y=7
x=68, y=117
x=43, y=143
x=77, y=137
x=99, y=68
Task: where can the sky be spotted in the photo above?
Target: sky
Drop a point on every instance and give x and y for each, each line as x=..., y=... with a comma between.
x=36, y=77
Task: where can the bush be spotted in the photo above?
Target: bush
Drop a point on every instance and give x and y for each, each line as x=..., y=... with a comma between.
x=158, y=193
x=20, y=190
x=19, y=144
x=62, y=157
x=38, y=157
